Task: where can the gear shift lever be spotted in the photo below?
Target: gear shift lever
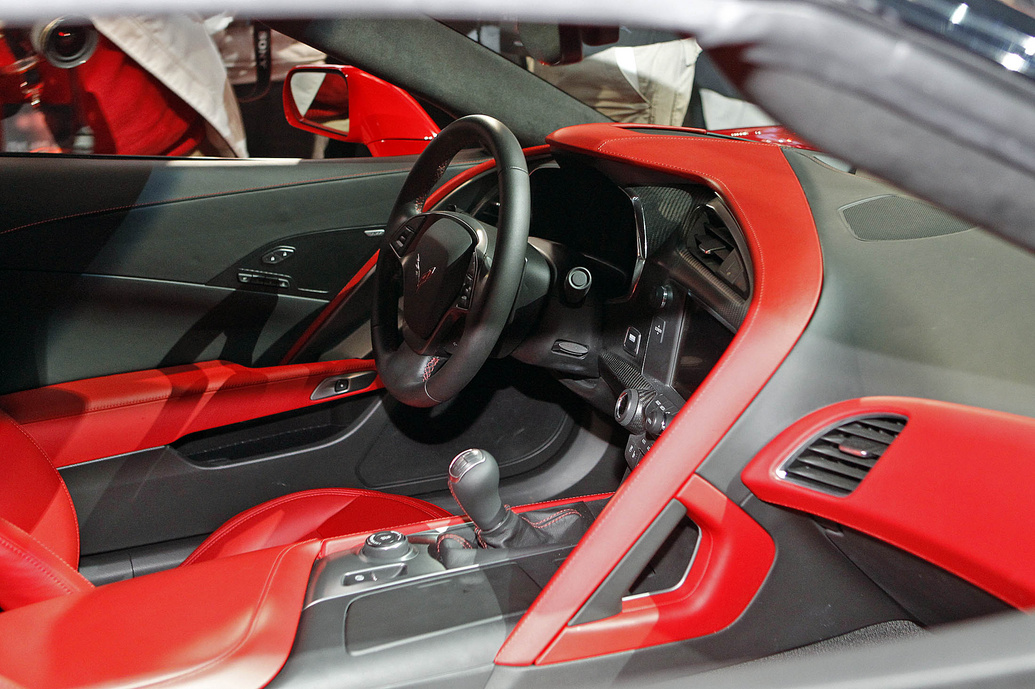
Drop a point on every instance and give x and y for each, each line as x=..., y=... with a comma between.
x=474, y=480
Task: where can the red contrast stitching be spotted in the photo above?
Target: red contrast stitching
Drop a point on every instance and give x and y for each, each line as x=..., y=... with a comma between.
x=36, y=563
x=550, y=520
x=429, y=368
x=61, y=482
x=454, y=537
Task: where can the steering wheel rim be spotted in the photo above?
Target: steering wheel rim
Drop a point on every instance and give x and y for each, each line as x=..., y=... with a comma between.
x=425, y=378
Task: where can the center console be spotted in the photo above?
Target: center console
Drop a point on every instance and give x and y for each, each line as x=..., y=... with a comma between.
x=437, y=604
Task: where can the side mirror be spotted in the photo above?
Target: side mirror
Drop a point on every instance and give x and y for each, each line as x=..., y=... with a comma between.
x=348, y=104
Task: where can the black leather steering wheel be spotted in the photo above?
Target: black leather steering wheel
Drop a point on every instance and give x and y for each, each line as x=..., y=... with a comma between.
x=458, y=278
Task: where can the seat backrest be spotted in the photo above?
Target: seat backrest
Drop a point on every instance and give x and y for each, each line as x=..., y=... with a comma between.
x=39, y=534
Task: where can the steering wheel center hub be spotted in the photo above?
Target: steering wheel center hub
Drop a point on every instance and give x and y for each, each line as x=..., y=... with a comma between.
x=433, y=273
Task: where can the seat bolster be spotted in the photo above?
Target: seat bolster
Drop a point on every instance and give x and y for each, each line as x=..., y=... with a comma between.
x=35, y=498
x=320, y=513
x=30, y=572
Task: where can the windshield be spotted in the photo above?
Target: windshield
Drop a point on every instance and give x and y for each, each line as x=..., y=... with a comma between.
x=628, y=74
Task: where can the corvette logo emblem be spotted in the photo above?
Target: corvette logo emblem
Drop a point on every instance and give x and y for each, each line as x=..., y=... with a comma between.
x=421, y=279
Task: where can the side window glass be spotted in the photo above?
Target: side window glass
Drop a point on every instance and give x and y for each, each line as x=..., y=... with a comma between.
x=166, y=86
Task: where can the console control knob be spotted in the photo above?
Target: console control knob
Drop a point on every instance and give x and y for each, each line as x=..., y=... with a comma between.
x=576, y=284
x=660, y=297
x=629, y=410
x=656, y=421
x=474, y=480
x=386, y=546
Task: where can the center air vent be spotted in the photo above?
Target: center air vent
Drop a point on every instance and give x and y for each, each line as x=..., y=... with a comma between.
x=837, y=461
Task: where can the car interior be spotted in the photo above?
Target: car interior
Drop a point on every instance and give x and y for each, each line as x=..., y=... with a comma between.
x=556, y=400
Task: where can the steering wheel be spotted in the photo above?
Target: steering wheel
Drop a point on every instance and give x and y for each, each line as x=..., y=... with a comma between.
x=458, y=278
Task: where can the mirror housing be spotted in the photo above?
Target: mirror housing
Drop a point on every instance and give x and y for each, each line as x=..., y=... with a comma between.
x=348, y=104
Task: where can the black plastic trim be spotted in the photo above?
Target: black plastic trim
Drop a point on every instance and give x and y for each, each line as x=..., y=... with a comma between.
x=606, y=601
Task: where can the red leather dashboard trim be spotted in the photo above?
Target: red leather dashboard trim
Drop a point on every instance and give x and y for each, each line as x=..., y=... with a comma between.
x=227, y=622
x=954, y=489
x=759, y=186
x=733, y=558
x=99, y=417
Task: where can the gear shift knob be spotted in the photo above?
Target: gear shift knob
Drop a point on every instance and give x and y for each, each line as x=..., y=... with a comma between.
x=474, y=480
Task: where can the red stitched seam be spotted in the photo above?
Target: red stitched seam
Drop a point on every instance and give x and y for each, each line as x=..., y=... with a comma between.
x=562, y=513
x=192, y=393
x=35, y=562
x=545, y=523
x=61, y=482
x=665, y=139
x=452, y=536
x=195, y=197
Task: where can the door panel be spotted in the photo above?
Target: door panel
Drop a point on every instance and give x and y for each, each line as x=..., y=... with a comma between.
x=122, y=264
x=524, y=417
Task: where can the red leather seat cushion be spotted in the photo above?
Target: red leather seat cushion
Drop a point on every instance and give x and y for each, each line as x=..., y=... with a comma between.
x=320, y=513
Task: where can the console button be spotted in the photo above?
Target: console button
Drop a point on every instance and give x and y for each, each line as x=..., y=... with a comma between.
x=372, y=575
x=632, y=341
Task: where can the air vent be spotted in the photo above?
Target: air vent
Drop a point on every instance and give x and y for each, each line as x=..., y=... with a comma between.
x=837, y=461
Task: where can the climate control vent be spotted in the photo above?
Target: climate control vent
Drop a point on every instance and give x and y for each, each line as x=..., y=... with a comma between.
x=837, y=461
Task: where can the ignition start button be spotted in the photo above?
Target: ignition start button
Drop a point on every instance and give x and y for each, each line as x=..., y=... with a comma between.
x=386, y=545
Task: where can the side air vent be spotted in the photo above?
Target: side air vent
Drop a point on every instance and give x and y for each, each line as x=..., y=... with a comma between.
x=837, y=461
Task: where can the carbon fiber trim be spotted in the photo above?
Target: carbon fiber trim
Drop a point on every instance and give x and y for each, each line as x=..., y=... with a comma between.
x=666, y=210
x=716, y=295
x=618, y=372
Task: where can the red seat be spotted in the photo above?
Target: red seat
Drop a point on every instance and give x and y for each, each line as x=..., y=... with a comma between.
x=39, y=534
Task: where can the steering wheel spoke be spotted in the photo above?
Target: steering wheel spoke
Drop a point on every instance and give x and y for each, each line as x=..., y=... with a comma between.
x=401, y=240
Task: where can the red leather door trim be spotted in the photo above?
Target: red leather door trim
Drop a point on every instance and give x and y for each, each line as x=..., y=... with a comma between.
x=99, y=417
x=733, y=558
x=758, y=184
x=954, y=489
x=229, y=622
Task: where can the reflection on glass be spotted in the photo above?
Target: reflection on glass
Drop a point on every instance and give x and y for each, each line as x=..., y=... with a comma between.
x=322, y=98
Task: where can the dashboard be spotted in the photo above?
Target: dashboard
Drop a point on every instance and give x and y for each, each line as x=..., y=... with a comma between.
x=667, y=276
